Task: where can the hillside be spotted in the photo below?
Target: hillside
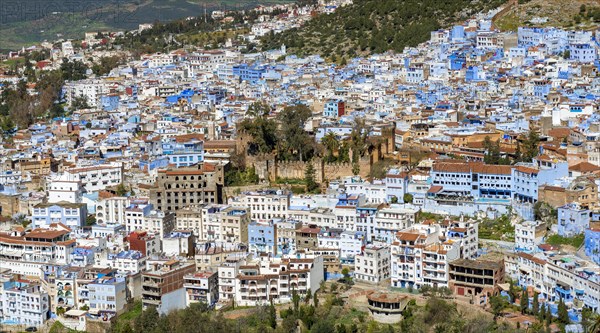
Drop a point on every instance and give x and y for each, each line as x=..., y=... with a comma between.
x=375, y=26
x=580, y=14
x=72, y=19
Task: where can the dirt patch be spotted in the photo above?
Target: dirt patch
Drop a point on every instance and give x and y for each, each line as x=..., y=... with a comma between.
x=556, y=13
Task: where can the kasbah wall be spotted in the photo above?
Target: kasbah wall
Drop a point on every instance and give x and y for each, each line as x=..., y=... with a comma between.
x=269, y=168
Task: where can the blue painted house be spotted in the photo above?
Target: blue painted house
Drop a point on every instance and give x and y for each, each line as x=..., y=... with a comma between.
x=109, y=102
x=573, y=219
x=592, y=244
x=262, y=237
x=248, y=73
x=334, y=109
x=72, y=215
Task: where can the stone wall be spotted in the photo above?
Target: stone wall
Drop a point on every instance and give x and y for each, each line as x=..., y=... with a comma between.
x=231, y=191
x=295, y=170
x=269, y=169
x=262, y=163
x=323, y=171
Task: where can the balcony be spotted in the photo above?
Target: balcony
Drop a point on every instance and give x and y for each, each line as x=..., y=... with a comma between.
x=155, y=302
x=590, y=301
x=197, y=292
x=150, y=283
x=156, y=292
x=194, y=286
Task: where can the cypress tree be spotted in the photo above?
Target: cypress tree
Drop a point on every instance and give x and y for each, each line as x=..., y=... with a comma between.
x=563, y=314
x=542, y=313
x=524, y=301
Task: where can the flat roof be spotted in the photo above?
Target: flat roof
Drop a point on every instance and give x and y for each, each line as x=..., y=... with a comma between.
x=478, y=264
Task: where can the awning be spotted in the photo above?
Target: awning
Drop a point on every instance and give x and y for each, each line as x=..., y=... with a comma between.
x=75, y=313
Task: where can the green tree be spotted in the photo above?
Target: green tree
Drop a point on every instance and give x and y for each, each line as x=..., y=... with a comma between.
x=425, y=290
x=332, y=144
x=346, y=274
x=73, y=70
x=272, y=315
x=437, y=311
x=147, y=321
x=355, y=168
x=106, y=64
x=513, y=291
x=7, y=126
x=524, y=301
x=334, y=287
x=445, y=291
x=295, y=300
x=535, y=306
x=90, y=220
x=60, y=311
x=294, y=141
x=258, y=110
x=563, y=314
x=127, y=328
x=309, y=178
x=261, y=129
x=542, y=313
x=21, y=219
x=498, y=304
x=58, y=327
x=408, y=198
x=531, y=144
x=394, y=200
x=323, y=326
x=492, y=152
x=518, y=156
x=308, y=296
x=595, y=327
x=79, y=103
x=121, y=190
x=57, y=111
x=587, y=319
x=358, y=138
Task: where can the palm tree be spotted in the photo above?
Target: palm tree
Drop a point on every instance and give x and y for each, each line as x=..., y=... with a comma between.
x=331, y=142
x=596, y=326
x=359, y=136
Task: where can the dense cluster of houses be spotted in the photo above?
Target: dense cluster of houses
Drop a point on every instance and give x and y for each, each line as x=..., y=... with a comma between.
x=127, y=198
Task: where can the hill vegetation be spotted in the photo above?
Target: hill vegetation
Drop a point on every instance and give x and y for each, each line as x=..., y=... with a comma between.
x=201, y=31
x=71, y=19
x=375, y=26
x=576, y=14
x=313, y=313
